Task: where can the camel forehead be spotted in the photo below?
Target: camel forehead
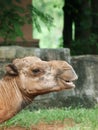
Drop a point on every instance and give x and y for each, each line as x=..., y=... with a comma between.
x=27, y=61
x=30, y=59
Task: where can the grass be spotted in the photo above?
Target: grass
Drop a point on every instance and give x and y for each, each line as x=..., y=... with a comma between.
x=85, y=119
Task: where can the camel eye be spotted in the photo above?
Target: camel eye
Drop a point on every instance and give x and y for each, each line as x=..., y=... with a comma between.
x=36, y=71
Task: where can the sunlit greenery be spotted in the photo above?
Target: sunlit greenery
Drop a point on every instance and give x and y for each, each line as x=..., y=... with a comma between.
x=50, y=38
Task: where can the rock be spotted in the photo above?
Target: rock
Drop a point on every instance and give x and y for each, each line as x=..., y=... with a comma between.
x=86, y=67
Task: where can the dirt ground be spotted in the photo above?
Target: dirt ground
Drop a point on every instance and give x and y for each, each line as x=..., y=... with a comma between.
x=44, y=126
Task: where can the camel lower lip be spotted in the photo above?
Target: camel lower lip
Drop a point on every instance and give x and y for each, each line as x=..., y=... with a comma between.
x=68, y=83
x=71, y=84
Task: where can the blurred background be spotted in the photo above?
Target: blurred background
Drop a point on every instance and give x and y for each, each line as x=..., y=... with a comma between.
x=50, y=37
x=55, y=30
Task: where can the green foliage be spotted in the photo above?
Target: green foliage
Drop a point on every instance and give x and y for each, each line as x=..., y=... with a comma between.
x=44, y=17
x=10, y=20
x=51, y=37
x=60, y=42
x=13, y=17
x=85, y=46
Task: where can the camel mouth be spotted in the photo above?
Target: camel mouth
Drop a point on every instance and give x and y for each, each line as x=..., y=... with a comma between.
x=69, y=83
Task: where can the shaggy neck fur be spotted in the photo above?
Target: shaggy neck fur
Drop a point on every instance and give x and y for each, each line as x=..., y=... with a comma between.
x=11, y=95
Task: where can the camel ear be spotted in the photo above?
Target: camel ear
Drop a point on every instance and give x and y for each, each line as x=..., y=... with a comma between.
x=11, y=69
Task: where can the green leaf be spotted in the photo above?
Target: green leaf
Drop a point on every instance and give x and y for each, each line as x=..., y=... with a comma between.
x=18, y=30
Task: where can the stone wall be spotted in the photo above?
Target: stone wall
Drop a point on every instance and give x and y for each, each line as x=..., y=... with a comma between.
x=86, y=91
x=86, y=67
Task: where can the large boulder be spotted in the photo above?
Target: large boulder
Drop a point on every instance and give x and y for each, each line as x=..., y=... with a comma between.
x=86, y=67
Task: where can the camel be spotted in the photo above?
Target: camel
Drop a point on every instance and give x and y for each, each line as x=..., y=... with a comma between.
x=28, y=77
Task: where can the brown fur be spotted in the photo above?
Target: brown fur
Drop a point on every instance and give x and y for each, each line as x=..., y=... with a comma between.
x=28, y=77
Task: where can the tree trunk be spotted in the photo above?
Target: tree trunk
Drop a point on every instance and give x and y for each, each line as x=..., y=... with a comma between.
x=94, y=4
x=78, y=12
x=67, y=29
x=83, y=21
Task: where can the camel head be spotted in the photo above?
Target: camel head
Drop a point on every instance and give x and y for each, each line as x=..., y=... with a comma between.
x=35, y=76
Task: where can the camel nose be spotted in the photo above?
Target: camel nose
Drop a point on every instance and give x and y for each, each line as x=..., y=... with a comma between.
x=68, y=74
x=68, y=71
x=74, y=75
x=64, y=69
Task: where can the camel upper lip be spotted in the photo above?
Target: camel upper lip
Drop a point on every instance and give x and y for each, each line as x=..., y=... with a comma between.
x=69, y=83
